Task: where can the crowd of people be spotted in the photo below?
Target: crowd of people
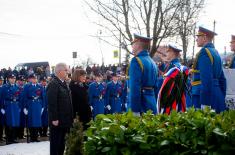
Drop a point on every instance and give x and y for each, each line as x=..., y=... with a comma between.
x=53, y=101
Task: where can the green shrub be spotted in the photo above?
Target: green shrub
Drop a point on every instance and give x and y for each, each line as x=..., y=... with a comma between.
x=192, y=132
x=74, y=140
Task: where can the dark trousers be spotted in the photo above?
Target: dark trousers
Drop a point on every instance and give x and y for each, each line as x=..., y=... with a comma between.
x=33, y=134
x=10, y=134
x=20, y=132
x=1, y=132
x=43, y=131
x=57, y=140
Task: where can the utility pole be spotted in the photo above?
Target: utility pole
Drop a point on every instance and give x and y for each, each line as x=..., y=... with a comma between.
x=214, y=31
x=225, y=51
x=99, y=37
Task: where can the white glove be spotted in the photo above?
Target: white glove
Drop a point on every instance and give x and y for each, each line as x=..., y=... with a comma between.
x=136, y=114
x=3, y=111
x=125, y=105
x=204, y=107
x=108, y=107
x=91, y=108
x=42, y=111
x=25, y=111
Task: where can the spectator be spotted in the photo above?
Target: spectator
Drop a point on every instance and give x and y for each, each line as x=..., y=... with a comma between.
x=80, y=97
x=59, y=109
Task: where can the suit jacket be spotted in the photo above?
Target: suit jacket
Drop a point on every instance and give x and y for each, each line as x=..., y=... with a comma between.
x=59, y=103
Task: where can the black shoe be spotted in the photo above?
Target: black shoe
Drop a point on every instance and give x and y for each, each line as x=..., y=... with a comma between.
x=21, y=137
x=11, y=142
x=44, y=135
x=1, y=139
x=34, y=140
x=14, y=141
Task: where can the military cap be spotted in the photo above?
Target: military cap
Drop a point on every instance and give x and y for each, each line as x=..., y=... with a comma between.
x=21, y=78
x=98, y=74
x=114, y=74
x=32, y=76
x=11, y=76
x=140, y=38
x=232, y=39
x=43, y=78
x=205, y=32
x=174, y=48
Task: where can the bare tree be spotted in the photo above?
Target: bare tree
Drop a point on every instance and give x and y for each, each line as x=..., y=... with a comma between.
x=186, y=19
x=155, y=18
x=87, y=62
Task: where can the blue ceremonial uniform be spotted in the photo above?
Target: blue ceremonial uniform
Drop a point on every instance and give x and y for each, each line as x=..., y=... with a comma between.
x=124, y=96
x=174, y=63
x=33, y=102
x=208, y=81
x=143, y=74
x=2, y=120
x=22, y=115
x=113, y=96
x=127, y=93
x=45, y=106
x=232, y=65
x=12, y=104
x=96, y=94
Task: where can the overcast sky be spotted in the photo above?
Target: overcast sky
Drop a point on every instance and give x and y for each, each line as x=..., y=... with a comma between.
x=50, y=30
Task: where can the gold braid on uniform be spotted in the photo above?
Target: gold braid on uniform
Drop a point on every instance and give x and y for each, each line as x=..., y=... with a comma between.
x=127, y=71
x=196, y=59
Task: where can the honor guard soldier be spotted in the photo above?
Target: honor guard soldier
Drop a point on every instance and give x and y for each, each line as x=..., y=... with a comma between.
x=33, y=106
x=11, y=107
x=113, y=96
x=20, y=81
x=96, y=92
x=173, y=55
x=143, y=74
x=173, y=90
x=2, y=111
x=208, y=81
x=43, y=131
x=232, y=46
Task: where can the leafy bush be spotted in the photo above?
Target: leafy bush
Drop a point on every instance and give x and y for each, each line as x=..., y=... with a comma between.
x=74, y=140
x=192, y=132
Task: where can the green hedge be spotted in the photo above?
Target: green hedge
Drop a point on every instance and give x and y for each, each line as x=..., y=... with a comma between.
x=74, y=140
x=193, y=132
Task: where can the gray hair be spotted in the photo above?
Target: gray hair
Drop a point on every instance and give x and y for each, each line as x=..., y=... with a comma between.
x=59, y=67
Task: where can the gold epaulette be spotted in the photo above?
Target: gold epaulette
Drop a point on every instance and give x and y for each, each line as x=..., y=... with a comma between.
x=140, y=64
x=209, y=55
x=195, y=71
x=194, y=83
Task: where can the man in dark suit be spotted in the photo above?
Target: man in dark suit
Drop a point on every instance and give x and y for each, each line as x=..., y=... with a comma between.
x=59, y=109
x=232, y=46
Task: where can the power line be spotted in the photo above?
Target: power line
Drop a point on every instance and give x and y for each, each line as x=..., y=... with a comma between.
x=9, y=34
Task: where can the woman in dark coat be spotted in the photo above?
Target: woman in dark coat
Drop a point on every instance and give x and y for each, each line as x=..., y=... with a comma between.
x=79, y=91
